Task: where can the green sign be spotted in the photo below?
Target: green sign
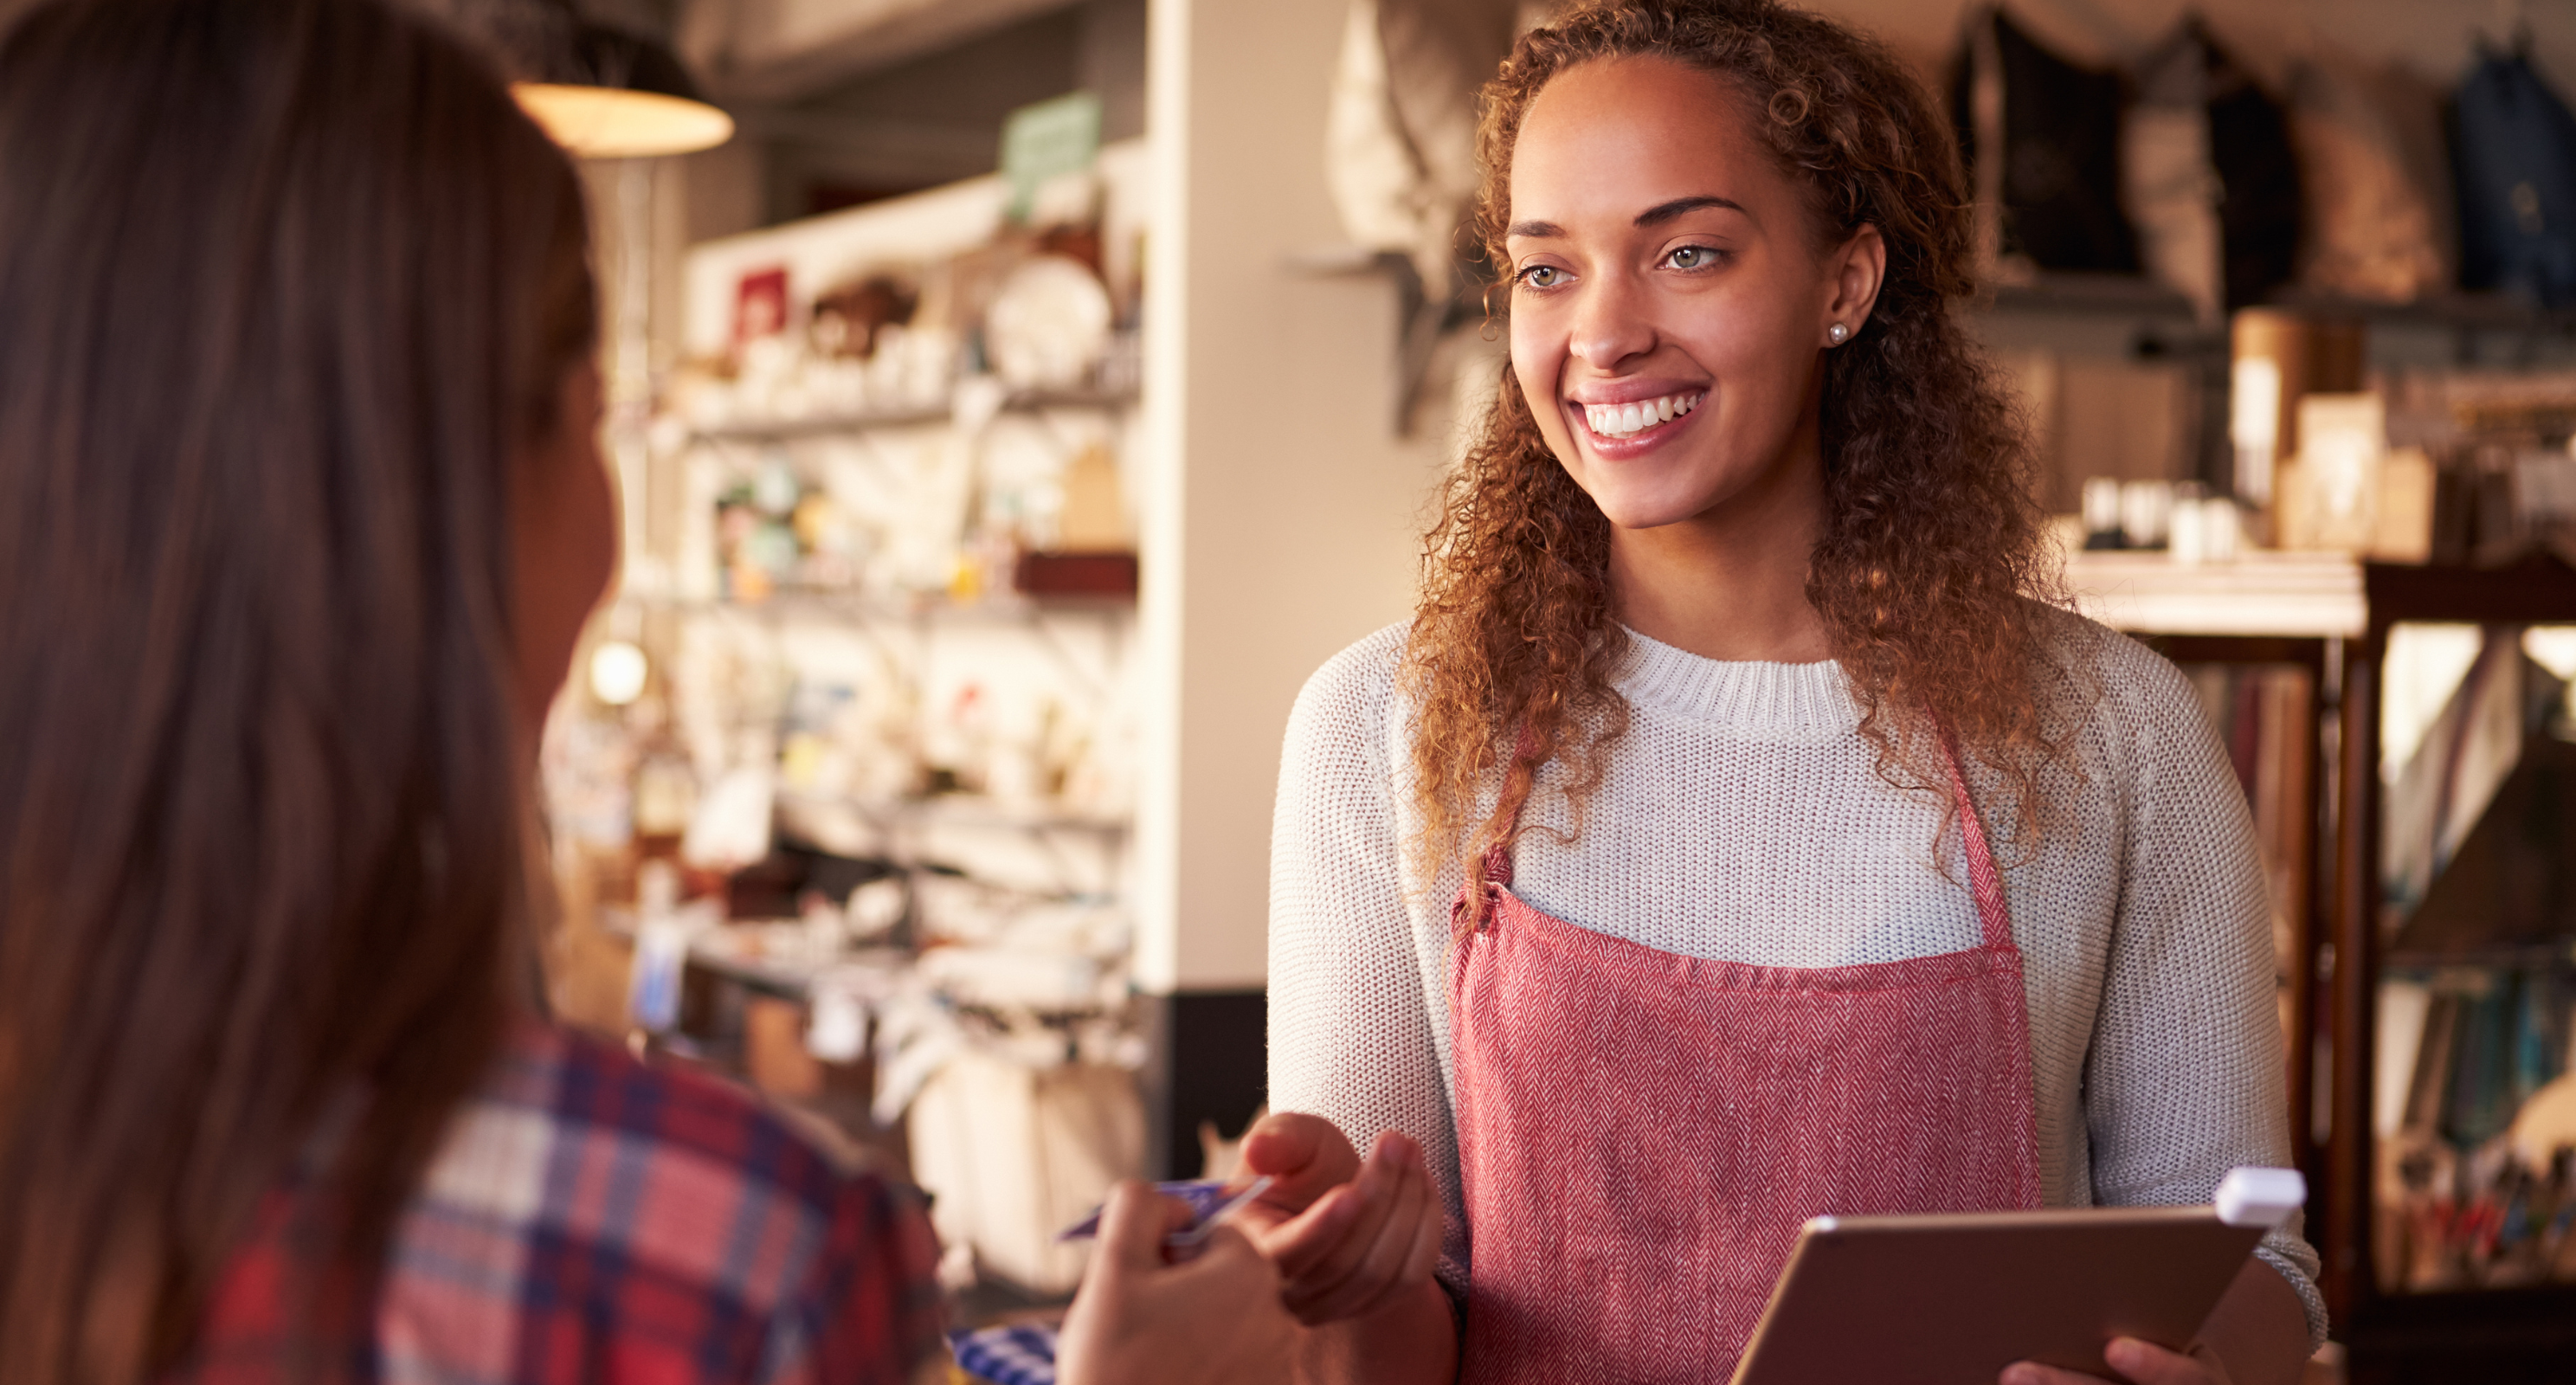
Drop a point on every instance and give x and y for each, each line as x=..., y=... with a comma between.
x=1048, y=140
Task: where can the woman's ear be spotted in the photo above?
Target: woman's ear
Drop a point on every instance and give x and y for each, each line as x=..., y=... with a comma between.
x=1856, y=269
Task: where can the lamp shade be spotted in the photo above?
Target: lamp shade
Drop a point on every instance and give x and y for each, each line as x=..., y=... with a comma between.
x=609, y=94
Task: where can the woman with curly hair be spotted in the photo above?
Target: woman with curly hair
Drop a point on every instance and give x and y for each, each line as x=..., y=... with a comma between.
x=1739, y=832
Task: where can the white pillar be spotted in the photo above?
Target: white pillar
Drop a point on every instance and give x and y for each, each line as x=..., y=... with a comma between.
x=1280, y=512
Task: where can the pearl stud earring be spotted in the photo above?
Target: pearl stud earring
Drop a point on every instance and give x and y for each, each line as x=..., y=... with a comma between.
x=1838, y=334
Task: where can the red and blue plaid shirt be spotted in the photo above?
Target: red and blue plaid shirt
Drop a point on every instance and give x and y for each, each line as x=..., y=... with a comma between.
x=591, y=1218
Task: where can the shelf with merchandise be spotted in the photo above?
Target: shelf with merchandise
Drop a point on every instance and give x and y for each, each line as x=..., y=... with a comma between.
x=907, y=607
x=2354, y=941
x=2138, y=297
x=842, y=423
x=2119, y=295
x=886, y=591
x=2259, y=593
x=2455, y=311
x=1001, y=514
x=960, y=810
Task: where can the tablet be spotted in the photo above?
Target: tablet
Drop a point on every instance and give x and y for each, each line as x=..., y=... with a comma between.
x=1952, y=1300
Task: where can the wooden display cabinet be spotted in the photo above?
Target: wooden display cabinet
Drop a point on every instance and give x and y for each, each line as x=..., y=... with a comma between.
x=2334, y=617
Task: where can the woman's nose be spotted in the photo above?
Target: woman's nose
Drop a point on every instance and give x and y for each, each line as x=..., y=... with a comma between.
x=1610, y=325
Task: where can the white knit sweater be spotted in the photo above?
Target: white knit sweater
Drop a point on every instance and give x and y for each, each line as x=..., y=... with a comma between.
x=1742, y=820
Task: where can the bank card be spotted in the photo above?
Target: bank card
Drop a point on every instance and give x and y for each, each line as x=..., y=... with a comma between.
x=1017, y=1354
x=1208, y=1201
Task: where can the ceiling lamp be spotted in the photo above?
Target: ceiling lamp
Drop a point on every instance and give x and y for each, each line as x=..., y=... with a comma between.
x=603, y=93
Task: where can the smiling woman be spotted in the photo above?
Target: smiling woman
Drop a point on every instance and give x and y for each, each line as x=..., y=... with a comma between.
x=1738, y=832
x=1641, y=191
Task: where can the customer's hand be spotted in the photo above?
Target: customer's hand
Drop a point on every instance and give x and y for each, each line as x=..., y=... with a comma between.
x=1349, y=1236
x=1142, y=1321
x=2139, y=1363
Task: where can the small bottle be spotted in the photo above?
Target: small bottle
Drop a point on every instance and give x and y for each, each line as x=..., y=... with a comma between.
x=2145, y=509
x=2101, y=514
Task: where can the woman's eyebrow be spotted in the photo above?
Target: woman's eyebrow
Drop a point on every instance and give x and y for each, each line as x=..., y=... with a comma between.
x=1665, y=211
x=1652, y=216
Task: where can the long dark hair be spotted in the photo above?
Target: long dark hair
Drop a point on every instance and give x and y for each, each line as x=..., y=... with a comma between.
x=286, y=288
x=1932, y=544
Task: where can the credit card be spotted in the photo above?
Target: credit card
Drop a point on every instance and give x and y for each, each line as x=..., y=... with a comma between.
x=1208, y=1201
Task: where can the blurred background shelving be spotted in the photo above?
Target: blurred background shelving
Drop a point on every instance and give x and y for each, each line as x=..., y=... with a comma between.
x=2428, y=934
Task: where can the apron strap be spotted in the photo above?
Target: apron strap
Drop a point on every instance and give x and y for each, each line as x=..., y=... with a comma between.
x=1498, y=857
x=1984, y=881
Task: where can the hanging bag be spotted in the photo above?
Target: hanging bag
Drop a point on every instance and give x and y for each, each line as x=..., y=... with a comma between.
x=2513, y=147
x=2055, y=151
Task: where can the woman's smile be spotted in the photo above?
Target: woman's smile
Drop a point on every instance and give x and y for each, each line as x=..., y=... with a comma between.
x=1629, y=427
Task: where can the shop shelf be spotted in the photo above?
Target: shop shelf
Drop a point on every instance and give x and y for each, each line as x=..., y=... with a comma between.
x=2477, y=312
x=830, y=424
x=2299, y=595
x=2119, y=295
x=870, y=606
x=2335, y=615
x=955, y=810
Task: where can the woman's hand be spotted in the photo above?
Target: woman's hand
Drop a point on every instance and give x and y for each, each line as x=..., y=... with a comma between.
x=1349, y=1237
x=2140, y=1363
x=1142, y=1321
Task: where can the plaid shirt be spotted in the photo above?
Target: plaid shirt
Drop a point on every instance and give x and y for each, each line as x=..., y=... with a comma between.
x=594, y=1219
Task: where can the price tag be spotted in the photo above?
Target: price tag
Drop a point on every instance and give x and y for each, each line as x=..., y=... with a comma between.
x=1048, y=140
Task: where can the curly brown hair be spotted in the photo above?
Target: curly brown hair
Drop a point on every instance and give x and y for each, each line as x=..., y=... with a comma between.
x=1933, y=547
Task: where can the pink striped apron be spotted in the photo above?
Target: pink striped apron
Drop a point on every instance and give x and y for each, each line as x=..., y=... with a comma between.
x=1641, y=1134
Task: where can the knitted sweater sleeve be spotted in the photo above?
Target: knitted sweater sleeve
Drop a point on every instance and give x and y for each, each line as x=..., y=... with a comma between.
x=2185, y=1079
x=1351, y=1027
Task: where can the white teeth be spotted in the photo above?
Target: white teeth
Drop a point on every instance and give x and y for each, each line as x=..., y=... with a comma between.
x=1628, y=420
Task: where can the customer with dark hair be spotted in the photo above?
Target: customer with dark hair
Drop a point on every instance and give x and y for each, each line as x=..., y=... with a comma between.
x=301, y=511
